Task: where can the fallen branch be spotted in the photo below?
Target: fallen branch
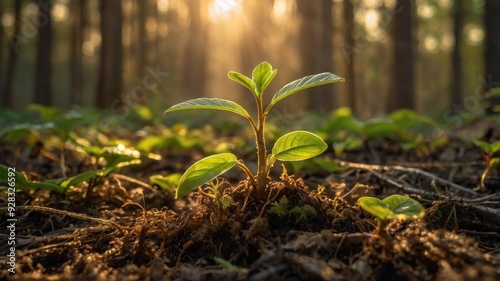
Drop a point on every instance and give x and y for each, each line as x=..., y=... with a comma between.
x=371, y=167
x=70, y=214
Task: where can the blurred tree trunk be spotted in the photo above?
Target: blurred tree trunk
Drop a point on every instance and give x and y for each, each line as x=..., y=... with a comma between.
x=316, y=28
x=348, y=51
x=110, y=70
x=492, y=25
x=492, y=53
x=140, y=54
x=43, y=83
x=15, y=42
x=195, y=56
x=258, y=20
x=77, y=10
x=2, y=62
x=154, y=48
x=456, y=75
x=402, y=92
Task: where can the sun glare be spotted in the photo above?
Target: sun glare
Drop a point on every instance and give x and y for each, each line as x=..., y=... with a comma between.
x=223, y=9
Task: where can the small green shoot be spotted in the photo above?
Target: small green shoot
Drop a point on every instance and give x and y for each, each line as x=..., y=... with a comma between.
x=303, y=213
x=489, y=152
x=299, y=213
x=226, y=264
x=216, y=193
x=294, y=146
x=280, y=208
x=394, y=207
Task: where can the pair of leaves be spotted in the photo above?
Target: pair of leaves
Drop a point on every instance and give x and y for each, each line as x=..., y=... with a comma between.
x=392, y=207
x=262, y=76
x=294, y=146
x=488, y=148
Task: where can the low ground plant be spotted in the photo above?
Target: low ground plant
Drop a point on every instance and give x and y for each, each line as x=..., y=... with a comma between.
x=394, y=207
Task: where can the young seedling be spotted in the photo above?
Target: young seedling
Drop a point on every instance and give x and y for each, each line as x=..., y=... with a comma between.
x=294, y=146
x=398, y=207
x=489, y=151
x=300, y=213
x=215, y=192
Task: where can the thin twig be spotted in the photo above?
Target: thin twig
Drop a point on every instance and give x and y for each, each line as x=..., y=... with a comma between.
x=406, y=188
x=70, y=214
x=371, y=167
x=495, y=197
x=132, y=180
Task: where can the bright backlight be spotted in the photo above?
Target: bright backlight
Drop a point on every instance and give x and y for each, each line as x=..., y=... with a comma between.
x=224, y=8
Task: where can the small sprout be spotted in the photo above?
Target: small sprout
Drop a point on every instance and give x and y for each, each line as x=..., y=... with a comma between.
x=489, y=152
x=300, y=213
x=280, y=208
x=303, y=213
x=226, y=264
x=294, y=146
x=226, y=201
x=216, y=193
x=397, y=207
x=321, y=189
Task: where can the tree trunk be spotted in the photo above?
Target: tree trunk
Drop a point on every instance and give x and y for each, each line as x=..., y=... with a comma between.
x=2, y=62
x=316, y=48
x=492, y=53
x=77, y=27
x=348, y=51
x=456, y=75
x=110, y=70
x=43, y=83
x=195, y=58
x=492, y=24
x=14, y=49
x=402, y=92
x=140, y=55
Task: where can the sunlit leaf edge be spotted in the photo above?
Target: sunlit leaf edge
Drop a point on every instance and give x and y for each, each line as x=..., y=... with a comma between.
x=210, y=103
x=203, y=171
x=242, y=80
x=305, y=83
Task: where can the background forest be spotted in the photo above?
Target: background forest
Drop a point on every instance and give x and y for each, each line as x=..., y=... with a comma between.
x=434, y=56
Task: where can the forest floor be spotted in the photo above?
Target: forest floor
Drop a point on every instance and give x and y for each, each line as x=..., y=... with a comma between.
x=123, y=230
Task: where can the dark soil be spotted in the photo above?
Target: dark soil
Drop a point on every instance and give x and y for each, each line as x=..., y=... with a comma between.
x=145, y=234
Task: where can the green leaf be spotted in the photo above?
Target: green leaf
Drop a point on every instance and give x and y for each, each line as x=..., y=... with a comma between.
x=210, y=103
x=85, y=176
x=203, y=171
x=486, y=147
x=495, y=162
x=262, y=75
x=243, y=80
x=46, y=112
x=22, y=183
x=379, y=128
x=226, y=264
x=168, y=182
x=298, y=145
x=305, y=83
x=392, y=207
